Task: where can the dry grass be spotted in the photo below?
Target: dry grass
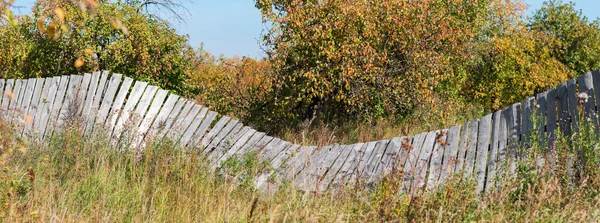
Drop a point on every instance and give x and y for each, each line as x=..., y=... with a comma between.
x=73, y=179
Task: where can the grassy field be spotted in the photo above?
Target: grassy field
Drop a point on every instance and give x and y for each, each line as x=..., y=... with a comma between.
x=74, y=179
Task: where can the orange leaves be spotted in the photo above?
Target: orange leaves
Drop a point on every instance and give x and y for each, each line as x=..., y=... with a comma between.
x=78, y=63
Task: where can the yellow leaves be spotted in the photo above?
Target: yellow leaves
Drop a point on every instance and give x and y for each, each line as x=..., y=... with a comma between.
x=40, y=25
x=92, y=3
x=78, y=63
x=116, y=24
x=89, y=52
x=60, y=14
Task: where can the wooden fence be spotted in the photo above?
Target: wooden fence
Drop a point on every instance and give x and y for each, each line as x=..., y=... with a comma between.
x=136, y=112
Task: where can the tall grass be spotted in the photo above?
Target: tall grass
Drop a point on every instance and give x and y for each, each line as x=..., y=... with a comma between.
x=71, y=178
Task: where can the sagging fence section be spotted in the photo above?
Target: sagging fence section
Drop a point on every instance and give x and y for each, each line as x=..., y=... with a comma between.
x=134, y=112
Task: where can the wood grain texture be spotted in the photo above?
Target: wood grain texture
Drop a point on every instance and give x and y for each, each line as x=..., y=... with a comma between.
x=462, y=153
x=483, y=145
x=471, y=149
x=435, y=166
x=450, y=153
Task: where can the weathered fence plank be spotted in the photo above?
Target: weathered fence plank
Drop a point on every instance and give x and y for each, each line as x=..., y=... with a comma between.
x=437, y=154
x=586, y=97
x=246, y=138
x=412, y=160
x=6, y=97
x=572, y=99
x=82, y=93
x=494, y=146
x=375, y=160
x=221, y=135
x=335, y=168
x=450, y=153
x=32, y=109
x=152, y=113
x=514, y=128
x=210, y=117
x=596, y=83
x=462, y=153
x=166, y=126
x=345, y=172
x=471, y=149
x=422, y=166
x=58, y=101
x=483, y=144
x=187, y=135
x=48, y=101
x=101, y=110
x=213, y=131
x=300, y=161
x=132, y=100
x=564, y=120
x=118, y=103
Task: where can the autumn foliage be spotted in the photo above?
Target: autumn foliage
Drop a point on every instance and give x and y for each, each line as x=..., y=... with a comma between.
x=335, y=61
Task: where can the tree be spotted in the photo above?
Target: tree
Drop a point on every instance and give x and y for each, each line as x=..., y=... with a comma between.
x=573, y=40
x=99, y=36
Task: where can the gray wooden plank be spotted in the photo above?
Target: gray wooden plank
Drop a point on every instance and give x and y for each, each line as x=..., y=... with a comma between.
x=261, y=181
x=222, y=134
x=300, y=161
x=422, y=166
x=140, y=111
x=367, y=151
x=132, y=100
x=187, y=135
x=190, y=110
x=462, y=153
x=48, y=100
x=412, y=161
x=322, y=168
x=8, y=94
x=540, y=108
x=258, y=147
x=221, y=147
x=69, y=106
x=82, y=93
x=197, y=137
x=345, y=172
x=596, y=83
x=57, y=105
x=551, y=118
x=117, y=105
x=109, y=102
x=165, y=126
x=405, y=148
x=2, y=83
x=514, y=132
x=494, y=145
x=160, y=121
x=501, y=158
x=246, y=138
x=573, y=110
x=450, y=153
x=471, y=149
x=188, y=120
x=102, y=89
x=375, y=159
x=435, y=166
x=268, y=150
x=335, y=168
x=391, y=150
x=564, y=123
x=18, y=88
x=14, y=100
x=586, y=97
x=483, y=146
x=145, y=124
x=89, y=98
x=304, y=176
x=34, y=105
x=26, y=102
x=253, y=141
x=272, y=150
x=213, y=131
x=391, y=158
x=526, y=124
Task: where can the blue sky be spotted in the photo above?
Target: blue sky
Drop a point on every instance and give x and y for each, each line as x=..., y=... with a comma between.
x=233, y=27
